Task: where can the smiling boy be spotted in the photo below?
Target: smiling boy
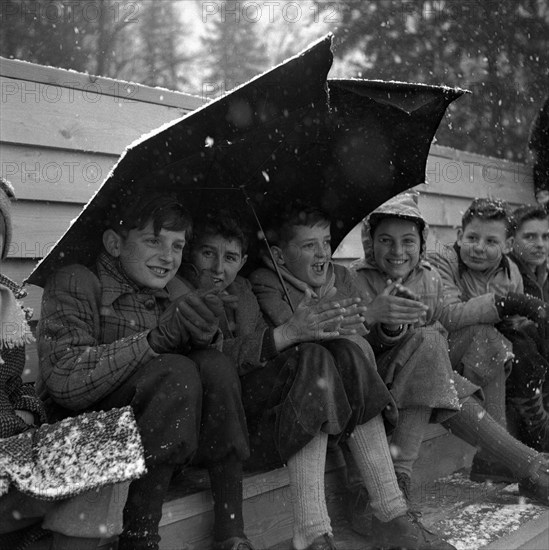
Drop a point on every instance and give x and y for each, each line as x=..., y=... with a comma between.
x=114, y=334
x=525, y=400
x=482, y=288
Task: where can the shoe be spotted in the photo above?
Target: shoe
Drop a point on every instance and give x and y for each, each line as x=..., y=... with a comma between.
x=533, y=421
x=233, y=543
x=482, y=470
x=406, y=532
x=324, y=542
x=536, y=486
x=360, y=512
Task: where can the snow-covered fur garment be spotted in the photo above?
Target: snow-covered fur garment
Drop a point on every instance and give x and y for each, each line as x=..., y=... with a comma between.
x=78, y=454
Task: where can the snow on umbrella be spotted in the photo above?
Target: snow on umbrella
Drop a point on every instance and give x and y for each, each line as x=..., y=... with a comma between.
x=287, y=135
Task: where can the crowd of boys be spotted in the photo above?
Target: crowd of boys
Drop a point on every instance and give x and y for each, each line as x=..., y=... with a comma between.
x=221, y=370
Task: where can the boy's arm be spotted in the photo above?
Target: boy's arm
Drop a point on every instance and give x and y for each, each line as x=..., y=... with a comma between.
x=270, y=296
x=76, y=368
x=27, y=400
x=252, y=350
x=457, y=313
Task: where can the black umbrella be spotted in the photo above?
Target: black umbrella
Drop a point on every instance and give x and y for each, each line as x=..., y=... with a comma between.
x=289, y=134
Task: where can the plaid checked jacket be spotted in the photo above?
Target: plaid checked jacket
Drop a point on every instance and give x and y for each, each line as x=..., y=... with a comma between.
x=92, y=333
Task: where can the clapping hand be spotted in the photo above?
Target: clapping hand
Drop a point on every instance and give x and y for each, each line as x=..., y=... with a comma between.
x=396, y=306
x=321, y=319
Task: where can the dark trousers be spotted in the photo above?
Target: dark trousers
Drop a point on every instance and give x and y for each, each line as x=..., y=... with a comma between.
x=307, y=389
x=530, y=364
x=187, y=408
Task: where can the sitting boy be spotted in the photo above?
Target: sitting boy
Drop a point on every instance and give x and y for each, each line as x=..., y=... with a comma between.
x=301, y=248
x=109, y=337
x=394, y=238
x=525, y=386
x=481, y=288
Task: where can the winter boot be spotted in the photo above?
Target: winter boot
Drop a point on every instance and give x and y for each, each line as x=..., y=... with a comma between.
x=406, y=532
x=533, y=420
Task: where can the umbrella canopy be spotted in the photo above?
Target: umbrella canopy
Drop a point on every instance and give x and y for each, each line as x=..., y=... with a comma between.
x=289, y=134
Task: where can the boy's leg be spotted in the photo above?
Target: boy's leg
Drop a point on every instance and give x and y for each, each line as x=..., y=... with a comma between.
x=166, y=397
x=475, y=426
x=223, y=443
x=368, y=444
x=524, y=387
x=407, y=438
x=482, y=355
x=306, y=472
x=393, y=524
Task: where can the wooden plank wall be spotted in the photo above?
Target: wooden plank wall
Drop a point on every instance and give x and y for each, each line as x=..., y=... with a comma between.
x=62, y=131
x=60, y=134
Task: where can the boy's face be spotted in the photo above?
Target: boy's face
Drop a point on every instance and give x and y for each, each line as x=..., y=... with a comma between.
x=218, y=258
x=531, y=242
x=307, y=254
x=149, y=260
x=396, y=246
x=482, y=243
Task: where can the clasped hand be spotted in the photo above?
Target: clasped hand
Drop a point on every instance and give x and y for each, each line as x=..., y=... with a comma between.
x=396, y=306
x=191, y=321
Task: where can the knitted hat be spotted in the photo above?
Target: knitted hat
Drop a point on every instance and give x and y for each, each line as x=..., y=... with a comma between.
x=6, y=195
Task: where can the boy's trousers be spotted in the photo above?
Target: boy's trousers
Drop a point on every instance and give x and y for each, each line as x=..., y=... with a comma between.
x=186, y=407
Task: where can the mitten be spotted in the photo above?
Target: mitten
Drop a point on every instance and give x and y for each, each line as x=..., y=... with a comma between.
x=170, y=335
x=521, y=304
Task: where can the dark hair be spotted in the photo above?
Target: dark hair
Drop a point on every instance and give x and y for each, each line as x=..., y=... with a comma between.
x=526, y=213
x=283, y=232
x=165, y=211
x=489, y=210
x=225, y=223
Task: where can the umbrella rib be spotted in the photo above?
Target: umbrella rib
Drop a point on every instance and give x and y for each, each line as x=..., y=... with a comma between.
x=266, y=241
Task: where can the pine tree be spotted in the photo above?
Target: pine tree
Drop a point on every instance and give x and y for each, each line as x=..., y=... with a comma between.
x=234, y=50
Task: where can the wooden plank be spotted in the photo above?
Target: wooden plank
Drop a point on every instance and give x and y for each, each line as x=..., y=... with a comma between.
x=253, y=487
x=54, y=174
x=38, y=226
x=459, y=174
x=68, y=119
x=55, y=77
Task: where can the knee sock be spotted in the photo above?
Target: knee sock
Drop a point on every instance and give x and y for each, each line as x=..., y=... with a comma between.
x=475, y=426
x=368, y=443
x=226, y=482
x=306, y=471
x=143, y=509
x=407, y=438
